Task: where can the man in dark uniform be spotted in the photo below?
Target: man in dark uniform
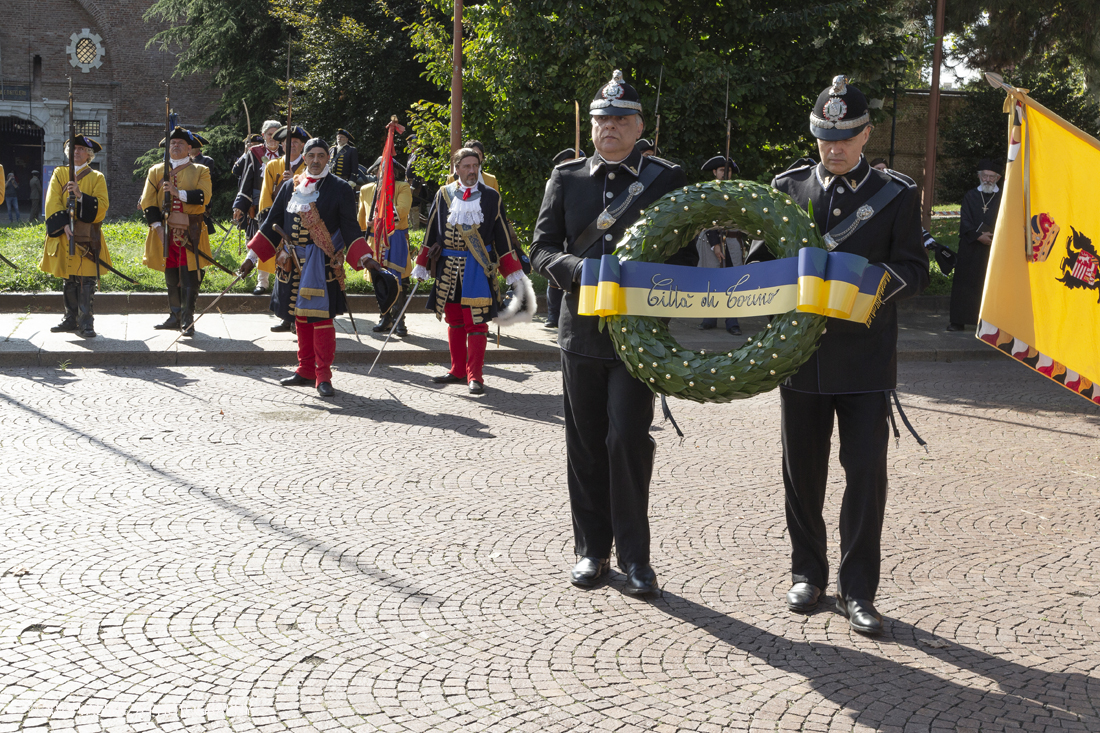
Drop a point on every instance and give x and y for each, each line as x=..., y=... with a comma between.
x=345, y=158
x=607, y=411
x=978, y=216
x=316, y=211
x=855, y=367
x=554, y=294
x=250, y=184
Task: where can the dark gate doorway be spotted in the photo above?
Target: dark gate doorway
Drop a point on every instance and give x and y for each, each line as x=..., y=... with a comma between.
x=21, y=146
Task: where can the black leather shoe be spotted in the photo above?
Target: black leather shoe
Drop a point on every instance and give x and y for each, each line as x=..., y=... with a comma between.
x=283, y=327
x=87, y=333
x=589, y=572
x=68, y=324
x=188, y=330
x=259, y=290
x=955, y=327
x=706, y=326
x=803, y=597
x=325, y=389
x=296, y=380
x=861, y=615
x=476, y=387
x=447, y=378
x=551, y=324
x=735, y=331
x=401, y=330
x=172, y=324
x=383, y=326
x=640, y=580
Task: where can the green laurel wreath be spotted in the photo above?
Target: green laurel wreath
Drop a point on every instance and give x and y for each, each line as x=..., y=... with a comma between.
x=645, y=344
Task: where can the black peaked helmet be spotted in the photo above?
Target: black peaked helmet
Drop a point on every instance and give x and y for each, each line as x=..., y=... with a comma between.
x=297, y=132
x=567, y=154
x=720, y=161
x=841, y=112
x=616, y=98
x=348, y=135
x=182, y=133
x=85, y=141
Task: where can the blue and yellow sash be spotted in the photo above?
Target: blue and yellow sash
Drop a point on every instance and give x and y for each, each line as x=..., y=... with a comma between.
x=835, y=284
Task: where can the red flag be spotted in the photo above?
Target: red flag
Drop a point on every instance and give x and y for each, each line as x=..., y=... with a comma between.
x=383, y=211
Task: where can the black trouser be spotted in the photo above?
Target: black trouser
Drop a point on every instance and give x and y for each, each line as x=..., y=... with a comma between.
x=807, y=432
x=553, y=303
x=77, y=292
x=610, y=457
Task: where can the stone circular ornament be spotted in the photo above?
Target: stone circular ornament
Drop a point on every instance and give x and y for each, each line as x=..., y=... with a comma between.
x=769, y=357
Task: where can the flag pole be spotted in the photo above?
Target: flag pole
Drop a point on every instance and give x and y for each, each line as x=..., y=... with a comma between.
x=456, y=82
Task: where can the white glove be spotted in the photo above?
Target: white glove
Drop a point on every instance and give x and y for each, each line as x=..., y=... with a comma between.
x=515, y=278
x=421, y=273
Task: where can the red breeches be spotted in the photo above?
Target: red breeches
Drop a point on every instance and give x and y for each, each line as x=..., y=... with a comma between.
x=466, y=342
x=316, y=349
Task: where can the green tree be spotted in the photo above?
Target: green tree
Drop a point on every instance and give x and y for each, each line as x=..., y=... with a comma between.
x=978, y=128
x=356, y=67
x=527, y=62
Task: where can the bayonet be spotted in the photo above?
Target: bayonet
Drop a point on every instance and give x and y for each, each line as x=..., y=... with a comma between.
x=657, y=110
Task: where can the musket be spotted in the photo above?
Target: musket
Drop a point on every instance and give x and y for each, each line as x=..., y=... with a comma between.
x=248, y=121
x=726, y=162
x=206, y=310
x=577, y=129
x=166, y=209
x=657, y=111
x=213, y=261
x=72, y=174
x=88, y=254
x=289, y=99
x=397, y=321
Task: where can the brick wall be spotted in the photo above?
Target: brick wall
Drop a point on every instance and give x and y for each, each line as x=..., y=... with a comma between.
x=912, y=132
x=124, y=93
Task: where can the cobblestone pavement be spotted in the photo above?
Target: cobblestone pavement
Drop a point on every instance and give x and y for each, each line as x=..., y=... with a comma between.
x=194, y=549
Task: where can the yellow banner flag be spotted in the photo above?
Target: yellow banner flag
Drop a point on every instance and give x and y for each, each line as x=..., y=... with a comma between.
x=1041, y=302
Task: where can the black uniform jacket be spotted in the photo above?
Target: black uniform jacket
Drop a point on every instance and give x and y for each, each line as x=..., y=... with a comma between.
x=336, y=203
x=853, y=357
x=345, y=162
x=252, y=179
x=578, y=190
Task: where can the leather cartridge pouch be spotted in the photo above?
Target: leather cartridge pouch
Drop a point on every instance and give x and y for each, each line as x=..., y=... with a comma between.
x=178, y=220
x=85, y=233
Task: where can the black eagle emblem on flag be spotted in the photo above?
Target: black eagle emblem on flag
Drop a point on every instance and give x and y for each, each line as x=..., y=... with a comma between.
x=1081, y=265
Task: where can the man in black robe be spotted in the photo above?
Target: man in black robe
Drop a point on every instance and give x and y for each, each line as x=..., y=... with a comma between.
x=979, y=214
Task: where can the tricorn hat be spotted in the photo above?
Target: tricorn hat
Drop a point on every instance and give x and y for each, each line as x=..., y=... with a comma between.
x=297, y=132
x=181, y=133
x=198, y=140
x=255, y=138
x=567, y=154
x=841, y=112
x=386, y=289
x=720, y=161
x=616, y=98
x=84, y=141
x=377, y=165
x=345, y=133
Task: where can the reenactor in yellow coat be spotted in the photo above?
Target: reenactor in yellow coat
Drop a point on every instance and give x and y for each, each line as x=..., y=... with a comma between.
x=395, y=253
x=189, y=184
x=77, y=271
x=275, y=175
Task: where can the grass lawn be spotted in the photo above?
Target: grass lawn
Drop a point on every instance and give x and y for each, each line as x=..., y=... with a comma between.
x=22, y=245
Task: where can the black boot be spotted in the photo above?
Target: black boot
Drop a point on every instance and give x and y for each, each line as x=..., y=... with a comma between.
x=190, y=297
x=385, y=324
x=70, y=291
x=175, y=302
x=84, y=310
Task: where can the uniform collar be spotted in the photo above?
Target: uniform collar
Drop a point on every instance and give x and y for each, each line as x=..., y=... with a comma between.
x=854, y=178
x=632, y=164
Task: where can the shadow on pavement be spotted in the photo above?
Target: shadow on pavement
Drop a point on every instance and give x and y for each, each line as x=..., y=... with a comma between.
x=881, y=692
